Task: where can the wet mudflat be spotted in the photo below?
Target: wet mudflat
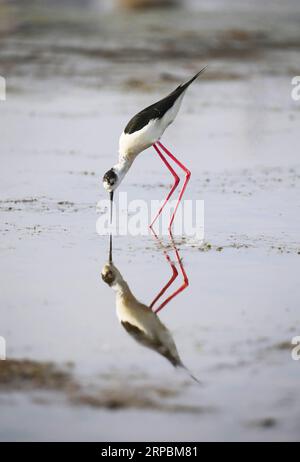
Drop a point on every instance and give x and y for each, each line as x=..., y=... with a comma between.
x=73, y=372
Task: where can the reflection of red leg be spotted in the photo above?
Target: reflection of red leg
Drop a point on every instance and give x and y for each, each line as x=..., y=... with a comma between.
x=174, y=270
x=180, y=289
x=173, y=277
x=170, y=282
x=187, y=178
x=176, y=181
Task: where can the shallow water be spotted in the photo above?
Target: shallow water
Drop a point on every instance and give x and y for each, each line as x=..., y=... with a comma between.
x=70, y=92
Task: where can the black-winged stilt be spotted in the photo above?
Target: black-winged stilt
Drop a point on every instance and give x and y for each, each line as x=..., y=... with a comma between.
x=144, y=130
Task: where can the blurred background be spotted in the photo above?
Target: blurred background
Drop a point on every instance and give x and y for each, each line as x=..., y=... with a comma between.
x=76, y=71
x=99, y=44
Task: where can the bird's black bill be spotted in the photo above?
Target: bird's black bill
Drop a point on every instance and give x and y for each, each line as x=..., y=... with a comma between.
x=111, y=205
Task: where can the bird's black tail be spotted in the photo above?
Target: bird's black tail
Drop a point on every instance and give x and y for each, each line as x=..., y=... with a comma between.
x=187, y=371
x=184, y=86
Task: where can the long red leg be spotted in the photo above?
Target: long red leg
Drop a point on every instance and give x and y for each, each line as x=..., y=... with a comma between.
x=187, y=178
x=176, y=181
x=173, y=277
x=185, y=278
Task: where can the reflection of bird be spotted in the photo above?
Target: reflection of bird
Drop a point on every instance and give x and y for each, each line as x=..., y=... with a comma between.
x=139, y=320
x=144, y=130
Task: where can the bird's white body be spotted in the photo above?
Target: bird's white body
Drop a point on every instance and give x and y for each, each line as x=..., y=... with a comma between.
x=145, y=319
x=130, y=310
x=131, y=144
x=144, y=130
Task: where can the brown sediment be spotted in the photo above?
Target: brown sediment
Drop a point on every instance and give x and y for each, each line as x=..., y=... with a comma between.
x=146, y=4
x=265, y=422
x=138, y=396
x=110, y=400
x=25, y=376
x=43, y=204
x=285, y=345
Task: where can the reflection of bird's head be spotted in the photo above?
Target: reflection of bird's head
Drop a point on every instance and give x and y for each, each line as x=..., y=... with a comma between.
x=110, y=274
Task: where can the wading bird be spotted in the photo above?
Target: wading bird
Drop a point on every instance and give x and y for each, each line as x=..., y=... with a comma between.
x=144, y=130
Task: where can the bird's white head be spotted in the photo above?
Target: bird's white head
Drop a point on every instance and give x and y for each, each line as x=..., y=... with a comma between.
x=111, y=180
x=113, y=177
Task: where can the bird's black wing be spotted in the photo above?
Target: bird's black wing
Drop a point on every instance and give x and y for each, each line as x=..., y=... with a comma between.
x=152, y=343
x=138, y=334
x=157, y=110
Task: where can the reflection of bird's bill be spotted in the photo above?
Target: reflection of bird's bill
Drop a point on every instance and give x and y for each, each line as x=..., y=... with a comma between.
x=110, y=249
x=138, y=319
x=185, y=282
x=111, y=194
